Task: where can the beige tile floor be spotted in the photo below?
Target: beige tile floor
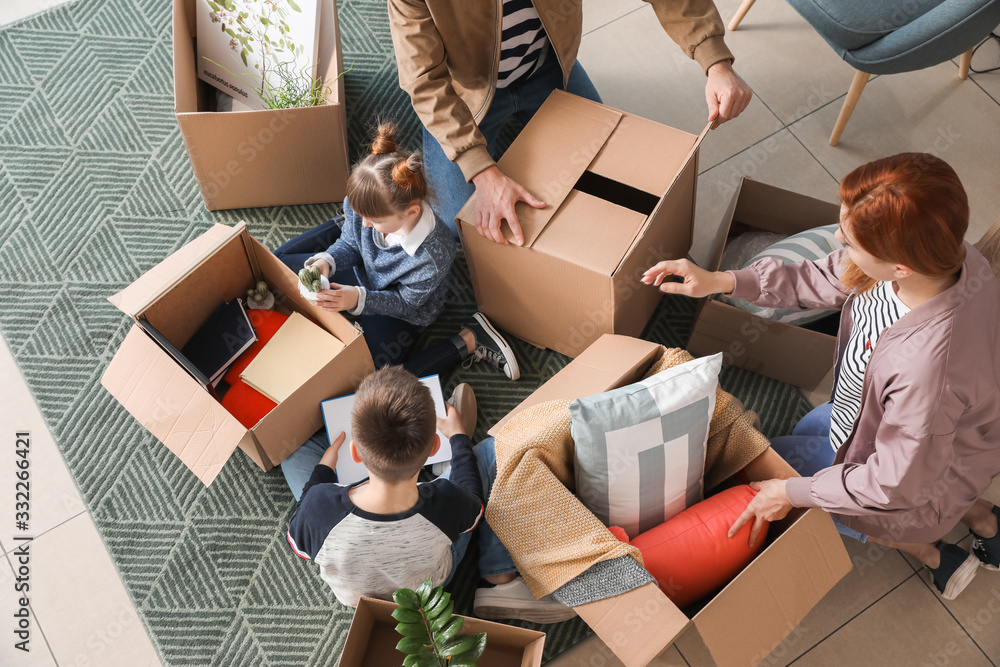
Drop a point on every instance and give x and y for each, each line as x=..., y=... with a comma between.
x=882, y=613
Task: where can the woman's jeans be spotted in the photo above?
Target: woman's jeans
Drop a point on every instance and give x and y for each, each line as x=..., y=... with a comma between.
x=808, y=451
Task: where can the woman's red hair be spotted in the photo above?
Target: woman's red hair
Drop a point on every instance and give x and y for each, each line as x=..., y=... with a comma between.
x=908, y=209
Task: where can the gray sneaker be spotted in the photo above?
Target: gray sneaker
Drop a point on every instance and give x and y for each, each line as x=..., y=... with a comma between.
x=514, y=600
x=491, y=347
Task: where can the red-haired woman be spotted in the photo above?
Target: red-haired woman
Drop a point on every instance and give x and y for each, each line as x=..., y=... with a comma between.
x=912, y=437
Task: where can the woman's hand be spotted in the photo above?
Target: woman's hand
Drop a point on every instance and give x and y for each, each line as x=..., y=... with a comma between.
x=451, y=423
x=695, y=281
x=338, y=298
x=770, y=504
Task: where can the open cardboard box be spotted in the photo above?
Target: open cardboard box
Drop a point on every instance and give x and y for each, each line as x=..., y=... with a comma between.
x=271, y=157
x=803, y=558
x=620, y=195
x=177, y=296
x=372, y=639
x=792, y=354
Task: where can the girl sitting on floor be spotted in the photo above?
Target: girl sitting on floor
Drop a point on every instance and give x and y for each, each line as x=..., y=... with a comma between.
x=389, y=264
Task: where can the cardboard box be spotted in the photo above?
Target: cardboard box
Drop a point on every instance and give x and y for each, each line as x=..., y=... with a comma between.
x=176, y=297
x=262, y=158
x=791, y=354
x=620, y=195
x=803, y=559
x=372, y=639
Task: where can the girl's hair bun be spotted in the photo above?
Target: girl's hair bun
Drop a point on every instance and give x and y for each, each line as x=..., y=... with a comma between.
x=406, y=172
x=385, y=139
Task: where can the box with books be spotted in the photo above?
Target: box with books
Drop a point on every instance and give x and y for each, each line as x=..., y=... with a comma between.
x=173, y=302
x=264, y=156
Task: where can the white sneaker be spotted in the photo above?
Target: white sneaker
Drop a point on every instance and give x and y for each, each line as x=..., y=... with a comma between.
x=514, y=600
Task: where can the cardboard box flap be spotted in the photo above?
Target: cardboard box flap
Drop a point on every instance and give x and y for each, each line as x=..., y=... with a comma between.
x=626, y=156
x=638, y=625
x=781, y=586
x=756, y=205
x=172, y=405
x=590, y=232
x=689, y=156
x=718, y=246
x=610, y=361
x=551, y=153
x=158, y=279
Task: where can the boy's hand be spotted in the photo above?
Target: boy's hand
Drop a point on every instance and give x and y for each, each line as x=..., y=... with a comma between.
x=330, y=456
x=338, y=298
x=322, y=265
x=695, y=281
x=452, y=422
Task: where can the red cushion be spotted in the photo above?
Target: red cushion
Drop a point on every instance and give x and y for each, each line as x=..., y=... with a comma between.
x=248, y=405
x=265, y=323
x=691, y=555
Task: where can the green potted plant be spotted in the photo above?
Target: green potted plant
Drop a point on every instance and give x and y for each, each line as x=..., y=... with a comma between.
x=312, y=282
x=260, y=297
x=431, y=633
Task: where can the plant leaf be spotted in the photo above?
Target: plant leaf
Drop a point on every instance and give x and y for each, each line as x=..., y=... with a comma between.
x=421, y=660
x=264, y=21
x=443, y=618
x=404, y=615
x=214, y=6
x=424, y=591
x=433, y=598
x=417, y=630
x=412, y=646
x=406, y=599
x=471, y=655
x=434, y=611
x=450, y=631
x=291, y=3
x=243, y=55
x=230, y=32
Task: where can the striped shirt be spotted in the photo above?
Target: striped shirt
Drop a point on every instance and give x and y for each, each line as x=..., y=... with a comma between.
x=523, y=42
x=872, y=313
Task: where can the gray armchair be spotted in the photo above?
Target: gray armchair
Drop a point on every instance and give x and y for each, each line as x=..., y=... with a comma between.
x=886, y=37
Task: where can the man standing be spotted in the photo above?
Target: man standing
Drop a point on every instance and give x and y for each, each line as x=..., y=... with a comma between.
x=469, y=65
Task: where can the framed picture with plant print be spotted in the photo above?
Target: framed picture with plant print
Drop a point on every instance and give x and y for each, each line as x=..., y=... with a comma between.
x=261, y=52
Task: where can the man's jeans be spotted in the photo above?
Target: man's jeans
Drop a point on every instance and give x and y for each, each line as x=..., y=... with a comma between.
x=449, y=190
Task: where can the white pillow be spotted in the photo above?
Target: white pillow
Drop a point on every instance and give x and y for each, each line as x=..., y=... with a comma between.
x=640, y=449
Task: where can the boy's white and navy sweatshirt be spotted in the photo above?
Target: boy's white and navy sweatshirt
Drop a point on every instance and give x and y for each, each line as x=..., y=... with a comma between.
x=361, y=553
x=406, y=277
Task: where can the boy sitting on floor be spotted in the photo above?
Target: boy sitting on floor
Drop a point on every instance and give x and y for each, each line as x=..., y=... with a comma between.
x=390, y=531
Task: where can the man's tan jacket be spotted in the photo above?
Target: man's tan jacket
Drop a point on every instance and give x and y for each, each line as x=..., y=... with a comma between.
x=448, y=52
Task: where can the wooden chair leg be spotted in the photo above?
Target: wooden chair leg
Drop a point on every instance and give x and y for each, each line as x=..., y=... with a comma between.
x=964, y=64
x=740, y=13
x=853, y=95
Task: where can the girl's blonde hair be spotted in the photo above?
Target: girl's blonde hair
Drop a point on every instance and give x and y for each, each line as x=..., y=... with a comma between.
x=385, y=182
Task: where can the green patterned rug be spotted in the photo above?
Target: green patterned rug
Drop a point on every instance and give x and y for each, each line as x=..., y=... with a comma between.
x=95, y=188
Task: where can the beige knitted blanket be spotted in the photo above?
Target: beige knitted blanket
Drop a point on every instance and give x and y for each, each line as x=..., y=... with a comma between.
x=551, y=536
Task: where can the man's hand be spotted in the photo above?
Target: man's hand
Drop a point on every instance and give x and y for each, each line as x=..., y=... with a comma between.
x=496, y=196
x=696, y=281
x=338, y=298
x=727, y=94
x=451, y=424
x=330, y=456
x=770, y=504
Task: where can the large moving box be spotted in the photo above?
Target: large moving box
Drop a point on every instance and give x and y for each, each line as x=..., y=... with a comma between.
x=262, y=158
x=620, y=195
x=176, y=297
x=796, y=355
x=803, y=558
x=372, y=639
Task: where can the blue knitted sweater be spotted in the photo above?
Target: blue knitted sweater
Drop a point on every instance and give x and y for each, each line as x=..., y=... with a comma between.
x=390, y=280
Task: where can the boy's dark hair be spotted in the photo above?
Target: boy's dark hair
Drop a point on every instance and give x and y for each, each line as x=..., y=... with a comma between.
x=393, y=423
